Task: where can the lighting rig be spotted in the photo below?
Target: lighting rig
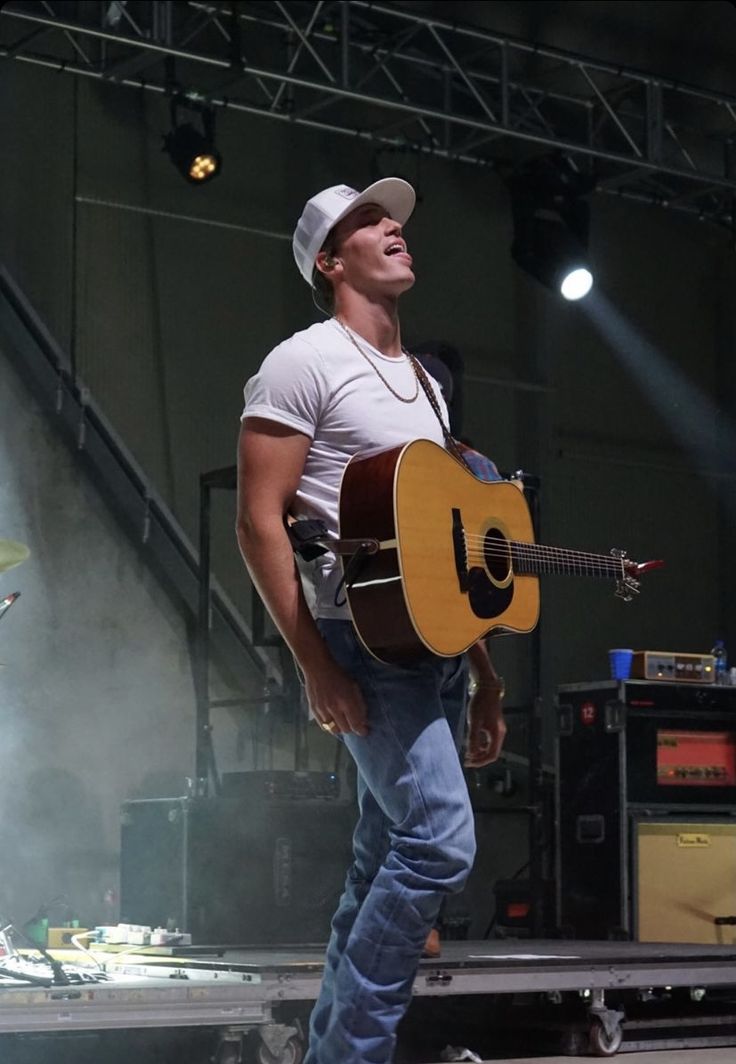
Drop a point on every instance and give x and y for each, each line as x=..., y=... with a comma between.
x=193, y=152
x=551, y=220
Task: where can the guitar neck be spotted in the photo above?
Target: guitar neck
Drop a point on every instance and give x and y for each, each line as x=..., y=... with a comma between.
x=536, y=558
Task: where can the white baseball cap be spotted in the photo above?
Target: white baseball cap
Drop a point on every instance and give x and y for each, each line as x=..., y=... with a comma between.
x=325, y=210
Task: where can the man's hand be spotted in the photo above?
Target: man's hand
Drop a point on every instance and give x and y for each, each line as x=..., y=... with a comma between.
x=335, y=699
x=486, y=727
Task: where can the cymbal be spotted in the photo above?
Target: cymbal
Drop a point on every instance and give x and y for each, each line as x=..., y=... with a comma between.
x=12, y=554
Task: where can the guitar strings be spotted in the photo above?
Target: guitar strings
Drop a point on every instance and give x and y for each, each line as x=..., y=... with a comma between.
x=500, y=552
x=522, y=565
x=522, y=549
x=538, y=555
x=471, y=538
x=517, y=561
x=540, y=548
x=482, y=538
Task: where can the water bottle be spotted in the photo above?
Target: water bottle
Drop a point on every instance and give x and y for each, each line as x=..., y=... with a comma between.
x=721, y=663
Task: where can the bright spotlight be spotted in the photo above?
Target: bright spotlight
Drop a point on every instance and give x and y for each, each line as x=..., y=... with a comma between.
x=192, y=152
x=551, y=221
x=577, y=283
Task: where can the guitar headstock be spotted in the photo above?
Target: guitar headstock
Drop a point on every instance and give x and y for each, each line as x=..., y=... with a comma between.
x=628, y=585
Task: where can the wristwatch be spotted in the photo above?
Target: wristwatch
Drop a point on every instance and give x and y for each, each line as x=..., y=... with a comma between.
x=498, y=685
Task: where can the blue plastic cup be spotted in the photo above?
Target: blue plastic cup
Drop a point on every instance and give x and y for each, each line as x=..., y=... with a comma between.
x=620, y=660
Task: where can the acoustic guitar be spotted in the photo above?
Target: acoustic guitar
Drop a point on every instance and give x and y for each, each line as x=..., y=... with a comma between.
x=435, y=559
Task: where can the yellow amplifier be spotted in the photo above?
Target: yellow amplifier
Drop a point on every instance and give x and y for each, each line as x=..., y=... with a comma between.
x=677, y=668
x=684, y=882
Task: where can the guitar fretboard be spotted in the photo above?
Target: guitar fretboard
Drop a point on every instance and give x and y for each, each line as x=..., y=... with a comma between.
x=536, y=558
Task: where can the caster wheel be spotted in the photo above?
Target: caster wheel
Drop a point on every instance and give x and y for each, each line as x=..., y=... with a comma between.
x=292, y=1053
x=601, y=1044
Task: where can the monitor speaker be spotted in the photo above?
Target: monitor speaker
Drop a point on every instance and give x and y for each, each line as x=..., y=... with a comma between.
x=232, y=871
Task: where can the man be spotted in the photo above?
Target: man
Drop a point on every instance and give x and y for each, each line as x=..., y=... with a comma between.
x=339, y=388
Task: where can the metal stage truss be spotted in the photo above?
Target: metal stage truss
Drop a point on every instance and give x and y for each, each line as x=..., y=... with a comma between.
x=403, y=81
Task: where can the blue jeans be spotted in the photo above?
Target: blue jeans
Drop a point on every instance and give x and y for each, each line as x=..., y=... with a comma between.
x=413, y=845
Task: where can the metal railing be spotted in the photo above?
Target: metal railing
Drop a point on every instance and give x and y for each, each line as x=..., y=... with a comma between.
x=141, y=510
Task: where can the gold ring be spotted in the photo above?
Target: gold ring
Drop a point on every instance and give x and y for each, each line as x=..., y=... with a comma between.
x=328, y=725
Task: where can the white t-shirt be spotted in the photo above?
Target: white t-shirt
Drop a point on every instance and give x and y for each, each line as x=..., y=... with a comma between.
x=319, y=384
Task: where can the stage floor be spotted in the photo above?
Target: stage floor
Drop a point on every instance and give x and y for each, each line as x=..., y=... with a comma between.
x=578, y=987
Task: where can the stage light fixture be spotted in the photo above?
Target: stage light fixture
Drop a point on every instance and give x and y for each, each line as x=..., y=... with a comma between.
x=551, y=220
x=192, y=152
x=577, y=283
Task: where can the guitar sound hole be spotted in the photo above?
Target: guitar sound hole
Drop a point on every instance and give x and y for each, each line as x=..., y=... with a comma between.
x=497, y=554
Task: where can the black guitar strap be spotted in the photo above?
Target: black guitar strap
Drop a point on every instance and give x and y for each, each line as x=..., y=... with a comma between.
x=450, y=442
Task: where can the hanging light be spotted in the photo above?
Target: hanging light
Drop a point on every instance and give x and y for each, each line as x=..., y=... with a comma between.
x=192, y=152
x=551, y=220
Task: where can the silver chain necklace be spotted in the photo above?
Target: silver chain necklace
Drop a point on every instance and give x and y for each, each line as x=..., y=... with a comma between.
x=375, y=368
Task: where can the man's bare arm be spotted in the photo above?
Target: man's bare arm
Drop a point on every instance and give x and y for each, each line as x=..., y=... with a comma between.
x=271, y=459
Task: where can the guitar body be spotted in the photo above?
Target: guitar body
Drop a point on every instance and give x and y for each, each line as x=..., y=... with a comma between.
x=443, y=577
